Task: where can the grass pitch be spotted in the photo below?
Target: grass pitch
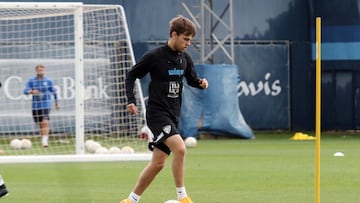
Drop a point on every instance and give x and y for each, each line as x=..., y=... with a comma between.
x=269, y=169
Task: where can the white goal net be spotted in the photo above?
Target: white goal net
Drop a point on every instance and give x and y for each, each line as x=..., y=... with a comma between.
x=86, y=50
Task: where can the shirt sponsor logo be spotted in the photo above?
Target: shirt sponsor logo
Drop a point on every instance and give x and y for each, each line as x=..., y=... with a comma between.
x=179, y=72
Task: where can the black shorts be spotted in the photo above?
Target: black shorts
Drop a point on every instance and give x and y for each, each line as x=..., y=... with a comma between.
x=40, y=114
x=162, y=128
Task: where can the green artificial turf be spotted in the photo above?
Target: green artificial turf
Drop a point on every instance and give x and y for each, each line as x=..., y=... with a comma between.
x=268, y=169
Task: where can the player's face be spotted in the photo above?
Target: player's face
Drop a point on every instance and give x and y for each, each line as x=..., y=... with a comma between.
x=182, y=42
x=40, y=71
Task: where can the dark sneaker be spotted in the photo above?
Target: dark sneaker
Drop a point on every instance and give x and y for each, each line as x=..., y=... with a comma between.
x=3, y=190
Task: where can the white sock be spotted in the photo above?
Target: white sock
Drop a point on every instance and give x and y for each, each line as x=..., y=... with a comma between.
x=181, y=192
x=44, y=140
x=134, y=198
x=1, y=181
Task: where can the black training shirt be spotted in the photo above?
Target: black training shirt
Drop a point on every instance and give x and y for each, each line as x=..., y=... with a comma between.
x=167, y=69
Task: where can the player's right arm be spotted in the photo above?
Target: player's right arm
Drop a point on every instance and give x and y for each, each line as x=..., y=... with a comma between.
x=132, y=108
x=139, y=70
x=29, y=88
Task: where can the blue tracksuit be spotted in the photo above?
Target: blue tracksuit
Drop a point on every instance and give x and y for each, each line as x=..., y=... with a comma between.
x=46, y=87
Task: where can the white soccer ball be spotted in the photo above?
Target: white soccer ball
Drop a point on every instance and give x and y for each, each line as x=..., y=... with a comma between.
x=101, y=150
x=26, y=144
x=114, y=150
x=93, y=146
x=127, y=150
x=190, y=142
x=15, y=144
x=171, y=201
x=87, y=144
x=146, y=134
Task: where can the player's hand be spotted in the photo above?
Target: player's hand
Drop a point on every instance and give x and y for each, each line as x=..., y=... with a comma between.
x=132, y=108
x=203, y=83
x=57, y=106
x=34, y=92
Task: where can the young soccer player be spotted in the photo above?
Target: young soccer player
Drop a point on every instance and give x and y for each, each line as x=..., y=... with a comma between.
x=167, y=66
x=41, y=88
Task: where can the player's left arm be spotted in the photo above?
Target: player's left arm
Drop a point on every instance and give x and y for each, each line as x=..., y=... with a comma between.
x=192, y=77
x=203, y=83
x=52, y=89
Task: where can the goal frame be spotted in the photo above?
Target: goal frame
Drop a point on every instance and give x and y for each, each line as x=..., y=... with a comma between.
x=79, y=155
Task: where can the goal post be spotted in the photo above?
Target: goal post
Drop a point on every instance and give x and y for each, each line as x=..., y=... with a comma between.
x=87, y=51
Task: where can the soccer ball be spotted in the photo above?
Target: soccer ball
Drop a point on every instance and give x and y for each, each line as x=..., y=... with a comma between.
x=171, y=201
x=190, y=142
x=146, y=134
x=15, y=144
x=26, y=144
x=93, y=147
x=127, y=150
x=88, y=143
x=114, y=150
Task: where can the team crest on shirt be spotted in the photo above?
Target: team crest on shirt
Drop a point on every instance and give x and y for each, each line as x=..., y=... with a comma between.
x=174, y=89
x=167, y=129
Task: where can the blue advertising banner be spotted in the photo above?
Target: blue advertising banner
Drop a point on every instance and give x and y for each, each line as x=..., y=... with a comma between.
x=338, y=42
x=263, y=88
